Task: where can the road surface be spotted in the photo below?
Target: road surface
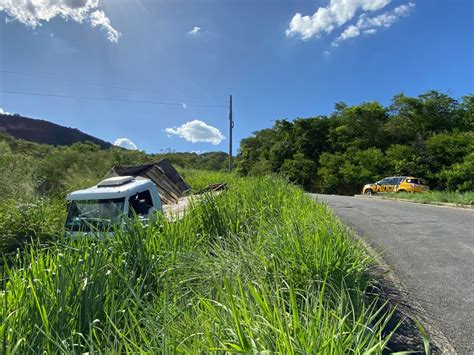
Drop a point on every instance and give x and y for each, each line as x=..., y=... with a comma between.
x=431, y=251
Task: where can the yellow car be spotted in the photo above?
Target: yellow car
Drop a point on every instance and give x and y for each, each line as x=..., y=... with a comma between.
x=396, y=184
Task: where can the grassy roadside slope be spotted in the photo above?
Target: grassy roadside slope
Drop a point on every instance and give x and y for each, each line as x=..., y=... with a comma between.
x=461, y=198
x=259, y=267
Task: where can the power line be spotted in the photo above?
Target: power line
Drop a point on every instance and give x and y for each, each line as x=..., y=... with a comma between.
x=81, y=82
x=70, y=81
x=106, y=99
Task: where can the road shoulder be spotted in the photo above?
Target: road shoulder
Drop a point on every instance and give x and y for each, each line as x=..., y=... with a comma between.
x=407, y=310
x=433, y=203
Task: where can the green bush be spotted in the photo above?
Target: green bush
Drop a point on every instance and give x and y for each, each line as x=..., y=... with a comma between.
x=460, y=177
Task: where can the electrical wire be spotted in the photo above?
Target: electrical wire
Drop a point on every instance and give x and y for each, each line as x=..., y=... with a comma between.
x=81, y=82
x=106, y=99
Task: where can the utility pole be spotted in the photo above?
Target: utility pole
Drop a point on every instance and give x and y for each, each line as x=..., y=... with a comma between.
x=231, y=125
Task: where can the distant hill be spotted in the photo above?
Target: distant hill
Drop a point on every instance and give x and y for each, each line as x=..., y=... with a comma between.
x=45, y=132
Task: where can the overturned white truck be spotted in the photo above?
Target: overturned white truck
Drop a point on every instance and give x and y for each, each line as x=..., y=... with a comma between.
x=127, y=191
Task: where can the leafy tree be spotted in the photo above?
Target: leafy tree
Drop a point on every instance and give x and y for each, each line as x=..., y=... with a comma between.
x=359, y=127
x=311, y=136
x=299, y=170
x=362, y=166
x=466, y=114
x=449, y=148
x=425, y=136
x=253, y=150
x=330, y=178
x=460, y=176
x=415, y=118
x=401, y=159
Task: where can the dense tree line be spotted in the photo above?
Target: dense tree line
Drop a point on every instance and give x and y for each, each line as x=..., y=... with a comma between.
x=429, y=136
x=28, y=168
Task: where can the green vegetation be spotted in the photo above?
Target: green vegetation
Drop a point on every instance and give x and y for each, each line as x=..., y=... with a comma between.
x=22, y=220
x=460, y=198
x=36, y=177
x=429, y=136
x=42, y=170
x=257, y=268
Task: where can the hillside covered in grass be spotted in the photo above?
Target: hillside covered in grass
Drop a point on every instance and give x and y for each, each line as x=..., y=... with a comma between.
x=257, y=268
x=45, y=132
x=30, y=169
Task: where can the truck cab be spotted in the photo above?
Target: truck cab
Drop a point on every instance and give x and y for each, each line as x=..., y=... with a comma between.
x=101, y=207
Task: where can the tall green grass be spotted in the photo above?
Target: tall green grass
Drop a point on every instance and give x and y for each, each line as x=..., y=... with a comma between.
x=199, y=179
x=461, y=198
x=23, y=219
x=258, y=268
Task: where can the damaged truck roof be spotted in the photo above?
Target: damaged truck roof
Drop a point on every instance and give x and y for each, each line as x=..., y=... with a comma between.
x=169, y=182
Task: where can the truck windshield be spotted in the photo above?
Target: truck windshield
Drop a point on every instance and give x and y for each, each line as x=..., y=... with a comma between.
x=94, y=215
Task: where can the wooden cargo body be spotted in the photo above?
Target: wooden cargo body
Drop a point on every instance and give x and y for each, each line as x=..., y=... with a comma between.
x=169, y=182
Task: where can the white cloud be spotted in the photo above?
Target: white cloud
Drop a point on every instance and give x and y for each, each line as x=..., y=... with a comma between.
x=195, y=31
x=350, y=32
x=197, y=131
x=370, y=31
x=370, y=25
x=98, y=18
x=32, y=13
x=326, y=19
x=2, y=112
x=125, y=143
x=184, y=106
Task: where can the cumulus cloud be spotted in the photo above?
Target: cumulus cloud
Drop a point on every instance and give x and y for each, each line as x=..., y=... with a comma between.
x=3, y=112
x=326, y=19
x=369, y=25
x=197, y=131
x=195, y=31
x=33, y=13
x=125, y=143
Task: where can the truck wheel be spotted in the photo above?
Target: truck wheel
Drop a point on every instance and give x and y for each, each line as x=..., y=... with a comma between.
x=369, y=192
x=401, y=191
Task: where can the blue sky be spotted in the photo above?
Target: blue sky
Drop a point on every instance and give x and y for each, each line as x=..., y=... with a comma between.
x=278, y=58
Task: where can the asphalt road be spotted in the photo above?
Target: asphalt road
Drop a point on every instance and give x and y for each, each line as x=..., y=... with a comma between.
x=431, y=251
